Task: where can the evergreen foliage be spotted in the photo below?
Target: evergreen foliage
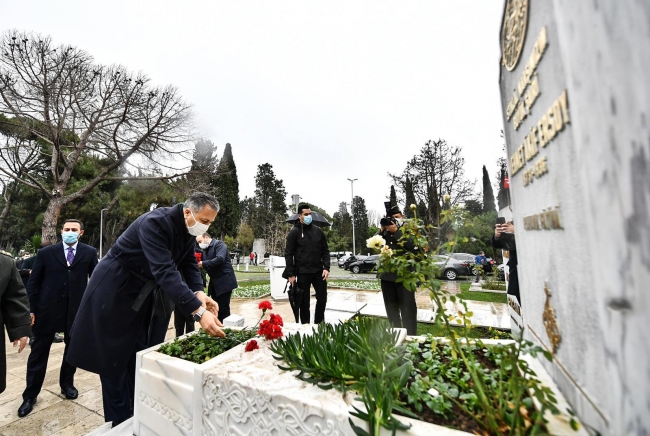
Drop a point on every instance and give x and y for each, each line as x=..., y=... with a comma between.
x=227, y=186
x=488, y=193
x=502, y=196
x=410, y=198
x=393, y=196
x=360, y=223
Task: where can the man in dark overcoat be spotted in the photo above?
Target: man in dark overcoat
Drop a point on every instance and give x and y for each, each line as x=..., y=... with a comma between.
x=216, y=262
x=128, y=292
x=307, y=257
x=14, y=311
x=55, y=288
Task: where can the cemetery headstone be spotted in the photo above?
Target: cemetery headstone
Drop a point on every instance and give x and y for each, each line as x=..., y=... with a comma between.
x=575, y=97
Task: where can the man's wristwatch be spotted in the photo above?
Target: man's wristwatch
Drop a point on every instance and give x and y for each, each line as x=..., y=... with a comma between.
x=197, y=316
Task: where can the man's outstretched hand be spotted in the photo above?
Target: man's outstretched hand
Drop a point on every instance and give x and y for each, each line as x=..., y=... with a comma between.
x=209, y=304
x=210, y=324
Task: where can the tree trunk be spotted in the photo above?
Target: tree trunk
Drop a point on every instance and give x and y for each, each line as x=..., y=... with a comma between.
x=9, y=201
x=50, y=219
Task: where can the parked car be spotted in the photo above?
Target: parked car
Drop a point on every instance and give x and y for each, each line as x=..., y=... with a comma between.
x=341, y=260
x=454, y=265
x=486, y=268
x=352, y=259
x=368, y=263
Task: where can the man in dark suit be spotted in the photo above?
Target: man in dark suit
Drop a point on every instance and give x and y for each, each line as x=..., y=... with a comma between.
x=216, y=262
x=55, y=287
x=151, y=264
x=14, y=311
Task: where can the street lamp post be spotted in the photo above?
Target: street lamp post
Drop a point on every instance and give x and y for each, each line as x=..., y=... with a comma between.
x=354, y=250
x=296, y=200
x=101, y=233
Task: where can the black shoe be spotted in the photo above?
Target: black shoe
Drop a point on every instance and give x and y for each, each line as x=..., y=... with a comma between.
x=116, y=423
x=58, y=337
x=26, y=407
x=71, y=393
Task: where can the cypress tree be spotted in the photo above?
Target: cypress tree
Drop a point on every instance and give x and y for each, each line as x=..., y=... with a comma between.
x=228, y=194
x=488, y=193
x=410, y=198
x=393, y=196
x=502, y=196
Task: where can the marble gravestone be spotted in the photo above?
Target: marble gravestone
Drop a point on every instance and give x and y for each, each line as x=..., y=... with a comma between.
x=576, y=97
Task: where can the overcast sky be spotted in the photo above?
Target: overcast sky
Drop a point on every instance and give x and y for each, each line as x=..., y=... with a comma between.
x=323, y=91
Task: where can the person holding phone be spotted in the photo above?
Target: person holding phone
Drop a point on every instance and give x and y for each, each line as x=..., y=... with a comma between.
x=504, y=238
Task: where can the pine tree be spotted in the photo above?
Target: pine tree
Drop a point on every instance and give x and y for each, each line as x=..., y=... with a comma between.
x=488, y=193
x=360, y=223
x=410, y=198
x=227, y=186
x=393, y=196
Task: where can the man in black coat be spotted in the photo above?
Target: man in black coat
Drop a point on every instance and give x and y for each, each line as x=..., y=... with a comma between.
x=14, y=311
x=307, y=258
x=55, y=288
x=216, y=262
x=151, y=264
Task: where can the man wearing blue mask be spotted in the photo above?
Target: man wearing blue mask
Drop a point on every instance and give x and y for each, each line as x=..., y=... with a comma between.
x=55, y=287
x=308, y=264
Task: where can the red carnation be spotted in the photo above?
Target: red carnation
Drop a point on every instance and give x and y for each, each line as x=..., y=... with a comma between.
x=199, y=257
x=252, y=345
x=276, y=319
x=270, y=331
x=265, y=305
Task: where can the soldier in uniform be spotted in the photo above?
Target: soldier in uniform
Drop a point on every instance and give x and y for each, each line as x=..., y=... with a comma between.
x=14, y=311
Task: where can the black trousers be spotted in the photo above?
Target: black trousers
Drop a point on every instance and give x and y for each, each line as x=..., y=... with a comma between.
x=305, y=282
x=37, y=365
x=182, y=324
x=400, y=305
x=223, y=301
x=118, y=392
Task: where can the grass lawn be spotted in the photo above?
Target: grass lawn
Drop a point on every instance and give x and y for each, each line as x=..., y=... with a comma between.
x=250, y=283
x=474, y=332
x=465, y=294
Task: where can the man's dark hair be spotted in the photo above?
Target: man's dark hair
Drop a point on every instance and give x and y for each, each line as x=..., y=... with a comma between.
x=72, y=220
x=302, y=207
x=198, y=200
x=206, y=235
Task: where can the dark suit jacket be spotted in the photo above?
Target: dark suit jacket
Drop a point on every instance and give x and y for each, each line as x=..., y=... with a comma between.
x=155, y=248
x=14, y=310
x=55, y=289
x=25, y=267
x=216, y=262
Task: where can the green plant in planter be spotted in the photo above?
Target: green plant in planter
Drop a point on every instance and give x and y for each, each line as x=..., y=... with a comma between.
x=494, y=403
x=360, y=355
x=201, y=347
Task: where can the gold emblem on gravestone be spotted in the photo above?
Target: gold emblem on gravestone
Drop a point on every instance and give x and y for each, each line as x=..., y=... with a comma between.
x=515, y=20
x=548, y=316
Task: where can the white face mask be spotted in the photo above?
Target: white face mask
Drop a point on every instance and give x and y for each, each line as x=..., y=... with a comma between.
x=198, y=228
x=203, y=246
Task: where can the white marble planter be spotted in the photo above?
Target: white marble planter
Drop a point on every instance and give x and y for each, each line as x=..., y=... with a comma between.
x=241, y=393
x=164, y=393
